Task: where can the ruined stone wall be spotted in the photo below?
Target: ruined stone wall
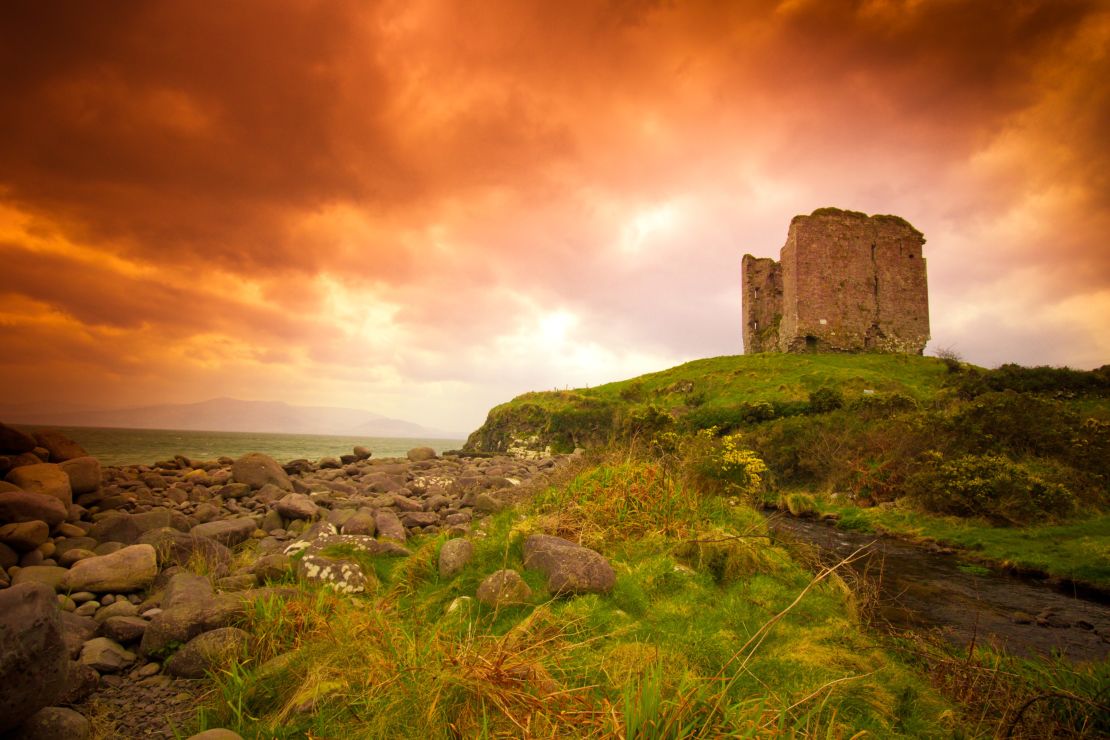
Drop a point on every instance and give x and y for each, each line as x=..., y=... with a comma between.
x=762, y=281
x=849, y=283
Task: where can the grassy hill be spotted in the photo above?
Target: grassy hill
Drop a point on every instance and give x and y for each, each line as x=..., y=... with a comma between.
x=716, y=391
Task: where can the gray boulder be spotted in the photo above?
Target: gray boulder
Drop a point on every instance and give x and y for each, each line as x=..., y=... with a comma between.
x=361, y=522
x=83, y=472
x=297, y=506
x=116, y=527
x=130, y=569
x=453, y=557
x=105, y=655
x=24, y=536
x=340, y=574
x=179, y=548
x=207, y=652
x=60, y=446
x=189, y=608
x=124, y=630
x=21, y=506
x=34, y=665
x=256, y=470
x=44, y=478
x=51, y=576
x=14, y=441
x=389, y=526
x=228, y=532
x=503, y=588
x=54, y=723
x=570, y=568
x=76, y=631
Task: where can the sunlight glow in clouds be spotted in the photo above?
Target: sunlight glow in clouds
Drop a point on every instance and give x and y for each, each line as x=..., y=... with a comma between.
x=427, y=208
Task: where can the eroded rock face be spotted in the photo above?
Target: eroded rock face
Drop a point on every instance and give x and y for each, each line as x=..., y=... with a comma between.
x=570, y=568
x=34, y=664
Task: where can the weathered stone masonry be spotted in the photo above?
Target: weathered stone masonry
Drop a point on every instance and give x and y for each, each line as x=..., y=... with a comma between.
x=844, y=282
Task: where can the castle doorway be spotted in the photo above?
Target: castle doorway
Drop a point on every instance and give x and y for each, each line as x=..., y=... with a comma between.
x=811, y=343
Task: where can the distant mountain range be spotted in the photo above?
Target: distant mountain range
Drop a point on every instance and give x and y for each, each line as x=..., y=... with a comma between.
x=228, y=415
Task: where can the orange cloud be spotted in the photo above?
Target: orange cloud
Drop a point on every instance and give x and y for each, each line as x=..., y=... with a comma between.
x=427, y=207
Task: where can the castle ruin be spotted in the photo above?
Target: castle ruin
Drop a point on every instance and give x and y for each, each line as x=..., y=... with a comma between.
x=844, y=282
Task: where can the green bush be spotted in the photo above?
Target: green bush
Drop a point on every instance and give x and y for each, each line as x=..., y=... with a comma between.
x=824, y=400
x=883, y=404
x=728, y=418
x=990, y=486
x=1061, y=381
x=1015, y=423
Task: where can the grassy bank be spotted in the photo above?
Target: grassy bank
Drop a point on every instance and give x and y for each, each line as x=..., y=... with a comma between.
x=709, y=631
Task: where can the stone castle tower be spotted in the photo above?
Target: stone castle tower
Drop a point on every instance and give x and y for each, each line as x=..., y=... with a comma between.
x=844, y=282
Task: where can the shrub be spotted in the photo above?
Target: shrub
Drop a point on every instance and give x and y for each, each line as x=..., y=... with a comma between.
x=883, y=404
x=729, y=418
x=643, y=422
x=724, y=460
x=1060, y=381
x=1015, y=423
x=951, y=359
x=991, y=486
x=823, y=400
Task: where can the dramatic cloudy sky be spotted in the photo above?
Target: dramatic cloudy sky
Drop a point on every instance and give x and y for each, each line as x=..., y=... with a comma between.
x=425, y=208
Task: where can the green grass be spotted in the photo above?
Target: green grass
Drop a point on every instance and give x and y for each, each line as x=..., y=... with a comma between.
x=1076, y=550
x=709, y=630
x=705, y=389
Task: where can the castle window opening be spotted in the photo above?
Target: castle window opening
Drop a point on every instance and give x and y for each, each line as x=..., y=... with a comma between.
x=755, y=325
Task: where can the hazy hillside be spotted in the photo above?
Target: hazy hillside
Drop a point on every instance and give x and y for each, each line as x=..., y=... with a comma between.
x=232, y=415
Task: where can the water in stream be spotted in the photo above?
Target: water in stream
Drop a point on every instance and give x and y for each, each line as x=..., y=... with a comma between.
x=923, y=590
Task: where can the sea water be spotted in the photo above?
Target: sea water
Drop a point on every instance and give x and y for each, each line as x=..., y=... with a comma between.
x=146, y=446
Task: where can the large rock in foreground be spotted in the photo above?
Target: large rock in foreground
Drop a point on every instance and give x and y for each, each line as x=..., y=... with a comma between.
x=570, y=568
x=14, y=441
x=34, y=663
x=20, y=506
x=256, y=470
x=129, y=569
x=60, y=446
x=44, y=478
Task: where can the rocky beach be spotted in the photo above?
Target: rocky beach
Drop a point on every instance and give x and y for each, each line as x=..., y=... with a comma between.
x=121, y=587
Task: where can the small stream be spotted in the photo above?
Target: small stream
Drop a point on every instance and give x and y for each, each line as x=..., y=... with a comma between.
x=923, y=590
